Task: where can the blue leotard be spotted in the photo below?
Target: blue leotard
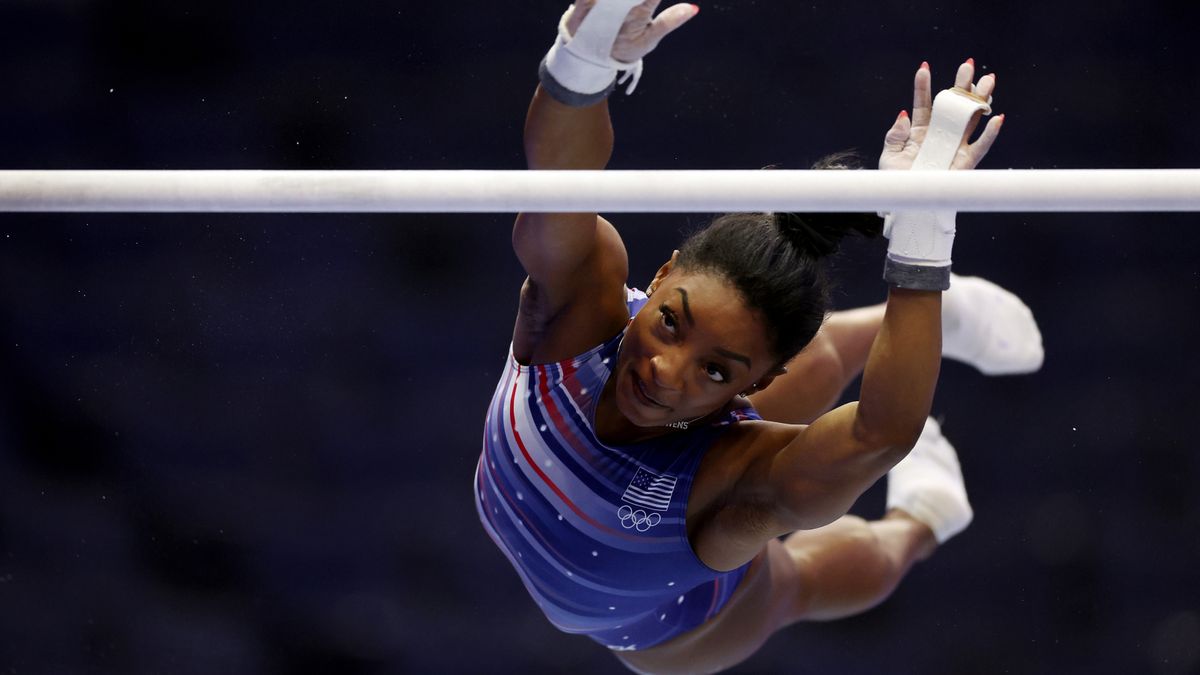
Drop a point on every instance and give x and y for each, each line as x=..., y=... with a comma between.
x=597, y=533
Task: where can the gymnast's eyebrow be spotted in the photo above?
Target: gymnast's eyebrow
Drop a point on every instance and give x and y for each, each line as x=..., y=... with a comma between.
x=687, y=311
x=734, y=355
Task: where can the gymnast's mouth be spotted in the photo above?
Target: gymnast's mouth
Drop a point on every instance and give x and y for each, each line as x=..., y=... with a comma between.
x=641, y=393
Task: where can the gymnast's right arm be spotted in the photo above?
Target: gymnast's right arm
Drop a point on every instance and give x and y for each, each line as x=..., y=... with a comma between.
x=553, y=247
x=576, y=262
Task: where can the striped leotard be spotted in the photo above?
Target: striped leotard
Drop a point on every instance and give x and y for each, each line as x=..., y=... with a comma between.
x=596, y=533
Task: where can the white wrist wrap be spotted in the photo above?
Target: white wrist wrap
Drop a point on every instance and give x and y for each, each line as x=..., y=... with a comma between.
x=920, y=242
x=582, y=65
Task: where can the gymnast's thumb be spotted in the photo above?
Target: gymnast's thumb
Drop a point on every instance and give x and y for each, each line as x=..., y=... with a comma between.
x=897, y=136
x=670, y=19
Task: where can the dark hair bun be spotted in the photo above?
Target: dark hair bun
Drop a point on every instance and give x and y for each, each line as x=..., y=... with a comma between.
x=819, y=234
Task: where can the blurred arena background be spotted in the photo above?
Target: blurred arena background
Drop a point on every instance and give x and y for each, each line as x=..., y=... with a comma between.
x=242, y=444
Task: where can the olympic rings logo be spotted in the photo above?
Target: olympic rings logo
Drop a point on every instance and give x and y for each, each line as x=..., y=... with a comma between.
x=637, y=520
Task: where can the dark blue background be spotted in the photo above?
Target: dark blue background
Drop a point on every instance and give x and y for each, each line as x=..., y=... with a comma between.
x=244, y=443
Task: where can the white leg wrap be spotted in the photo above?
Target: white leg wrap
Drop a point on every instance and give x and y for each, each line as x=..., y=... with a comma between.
x=928, y=485
x=583, y=64
x=989, y=328
x=920, y=242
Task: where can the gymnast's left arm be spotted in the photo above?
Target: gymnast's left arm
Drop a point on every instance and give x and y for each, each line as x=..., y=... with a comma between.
x=819, y=473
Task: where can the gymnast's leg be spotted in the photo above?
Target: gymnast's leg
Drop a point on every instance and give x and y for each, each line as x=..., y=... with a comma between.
x=832, y=572
x=982, y=325
x=839, y=570
x=853, y=565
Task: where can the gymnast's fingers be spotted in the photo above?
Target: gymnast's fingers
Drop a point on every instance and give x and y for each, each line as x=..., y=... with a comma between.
x=670, y=19
x=986, y=85
x=984, y=89
x=922, y=97
x=965, y=75
x=970, y=156
x=639, y=17
x=897, y=136
x=579, y=12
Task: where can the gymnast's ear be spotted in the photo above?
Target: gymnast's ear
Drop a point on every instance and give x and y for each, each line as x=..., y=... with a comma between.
x=765, y=381
x=662, y=274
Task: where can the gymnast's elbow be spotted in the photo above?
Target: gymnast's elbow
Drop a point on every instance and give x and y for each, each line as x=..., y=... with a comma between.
x=886, y=434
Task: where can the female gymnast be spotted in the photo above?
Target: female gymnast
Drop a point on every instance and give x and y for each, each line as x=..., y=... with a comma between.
x=658, y=477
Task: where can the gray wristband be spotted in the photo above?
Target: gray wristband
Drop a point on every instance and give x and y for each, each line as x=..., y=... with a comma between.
x=572, y=98
x=916, y=277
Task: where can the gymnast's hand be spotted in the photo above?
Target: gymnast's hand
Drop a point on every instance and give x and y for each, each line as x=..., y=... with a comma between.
x=903, y=140
x=640, y=33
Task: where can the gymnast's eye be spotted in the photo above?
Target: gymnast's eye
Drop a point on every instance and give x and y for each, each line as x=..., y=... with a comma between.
x=668, y=319
x=716, y=374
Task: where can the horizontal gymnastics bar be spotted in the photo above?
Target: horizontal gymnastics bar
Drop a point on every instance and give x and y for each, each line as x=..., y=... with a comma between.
x=604, y=191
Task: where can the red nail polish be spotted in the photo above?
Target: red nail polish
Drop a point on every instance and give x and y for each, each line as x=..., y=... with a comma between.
x=971, y=62
x=695, y=9
x=924, y=65
x=903, y=114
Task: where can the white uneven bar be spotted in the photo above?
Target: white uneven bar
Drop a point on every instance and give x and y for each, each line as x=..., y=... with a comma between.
x=603, y=191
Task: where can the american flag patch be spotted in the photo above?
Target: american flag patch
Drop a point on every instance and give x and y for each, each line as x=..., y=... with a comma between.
x=650, y=490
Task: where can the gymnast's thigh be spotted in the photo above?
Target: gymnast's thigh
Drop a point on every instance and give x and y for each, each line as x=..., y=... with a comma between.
x=767, y=599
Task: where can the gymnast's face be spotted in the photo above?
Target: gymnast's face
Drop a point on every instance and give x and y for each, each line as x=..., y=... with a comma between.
x=689, y=351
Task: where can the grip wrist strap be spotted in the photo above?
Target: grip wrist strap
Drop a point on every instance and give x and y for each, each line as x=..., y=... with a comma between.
x=579, y=70
x=920, y=242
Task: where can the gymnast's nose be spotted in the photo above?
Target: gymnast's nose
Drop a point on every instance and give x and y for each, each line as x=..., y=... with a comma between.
x=664, y=368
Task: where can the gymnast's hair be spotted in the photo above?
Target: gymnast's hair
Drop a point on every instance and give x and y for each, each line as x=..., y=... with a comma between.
x=776, y=261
